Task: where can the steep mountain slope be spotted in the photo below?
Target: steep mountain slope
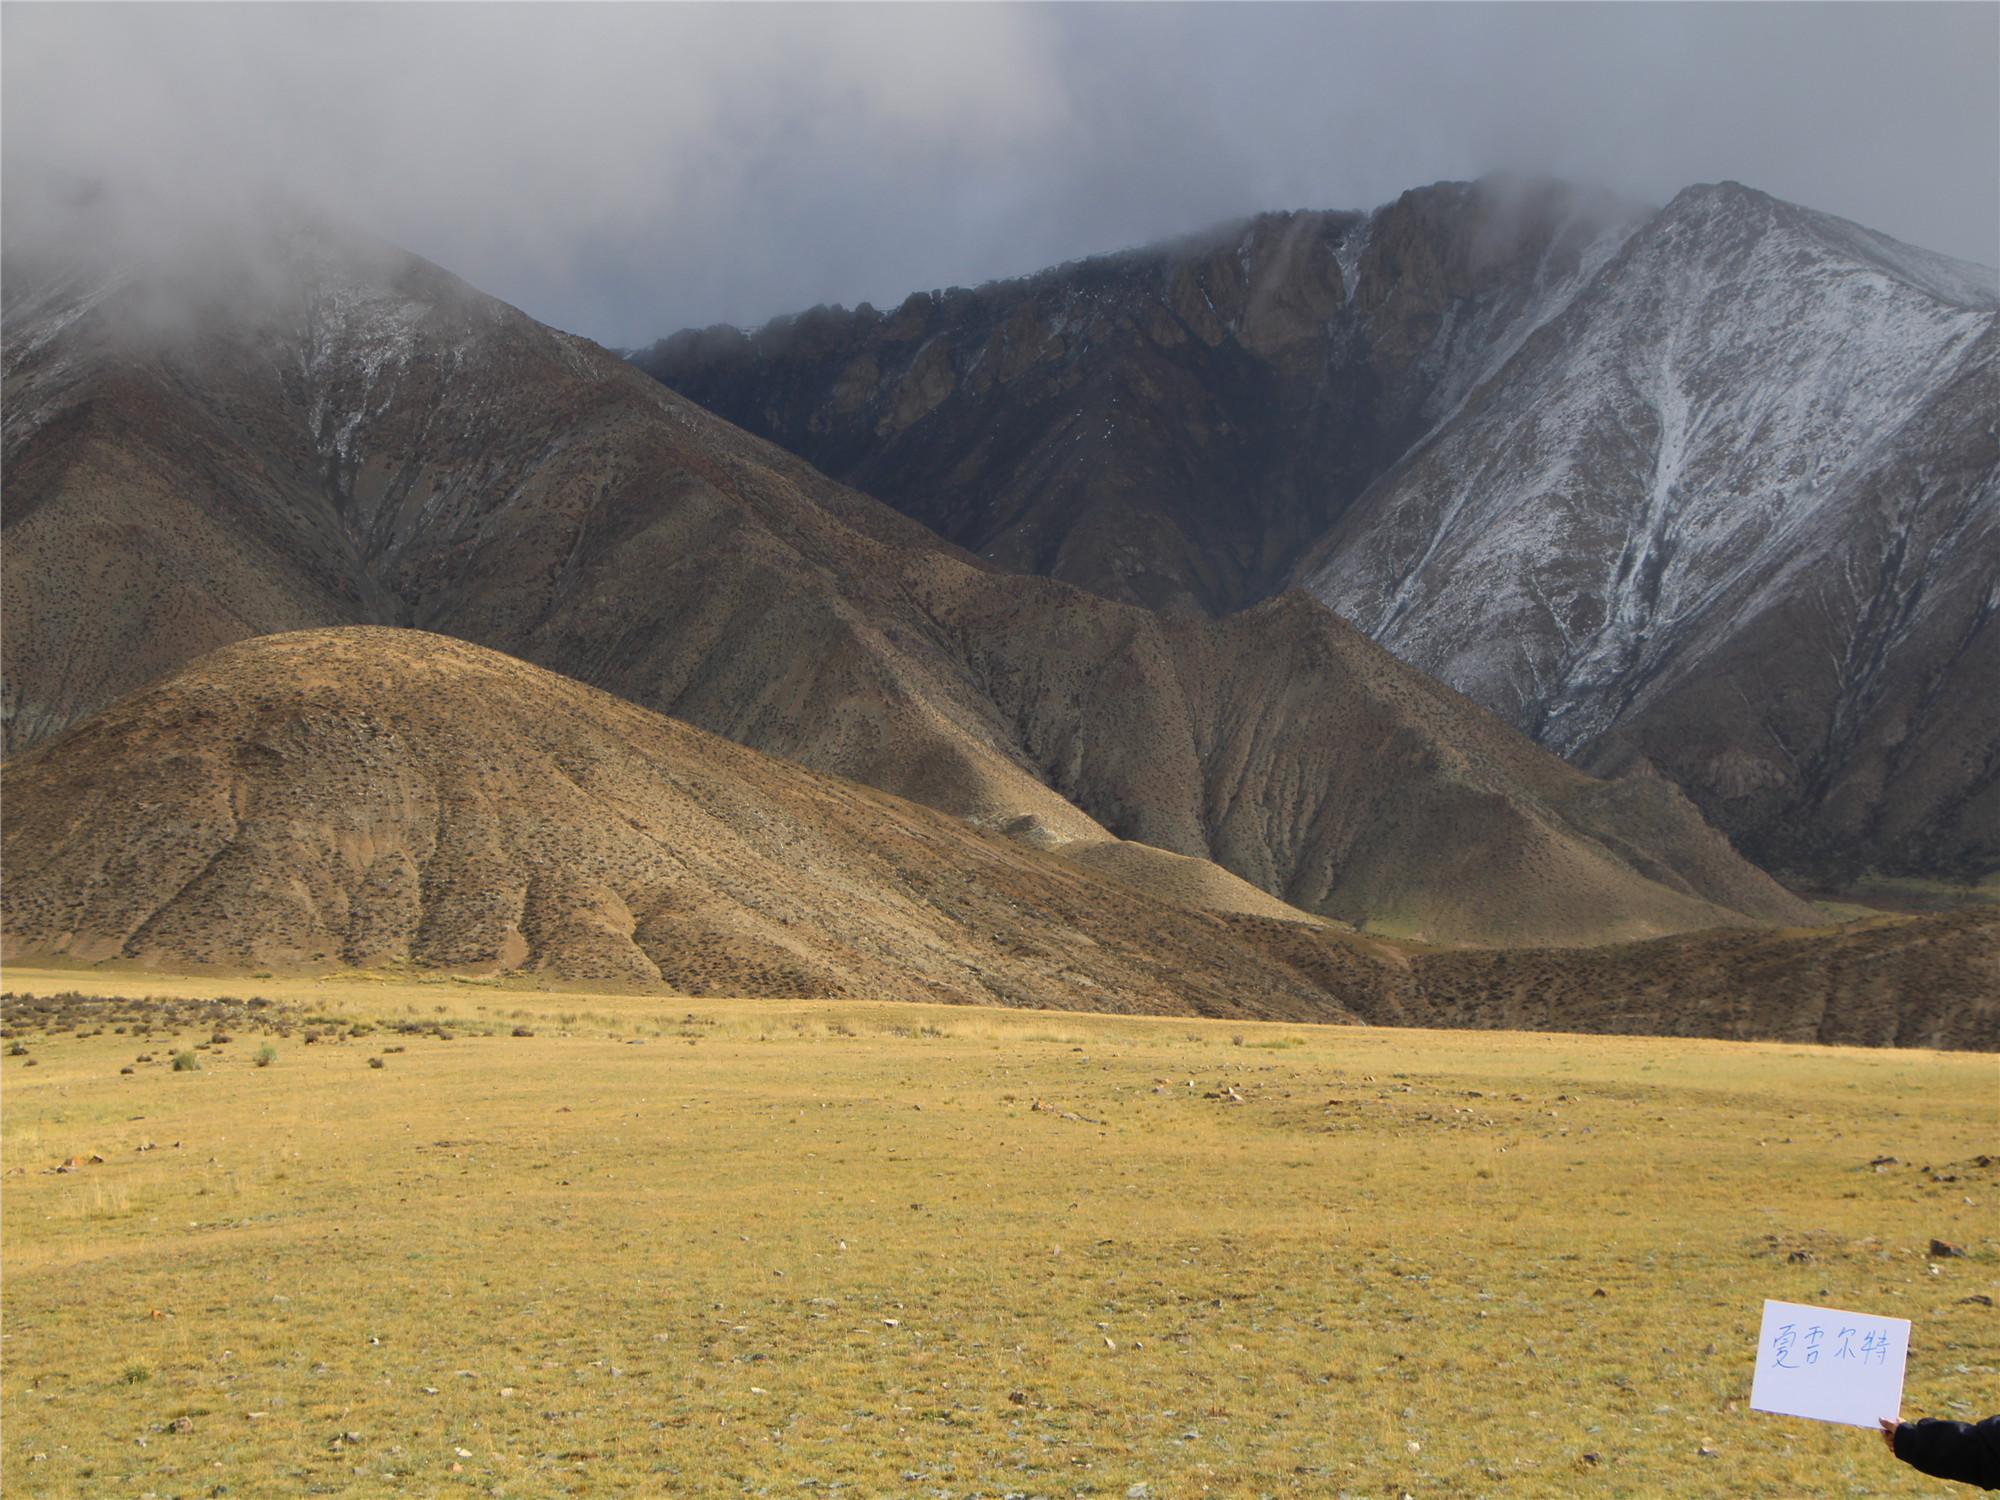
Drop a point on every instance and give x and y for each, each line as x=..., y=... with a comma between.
x=1709, y=492
x=1168, y=426
x=392, y=447
x=364, y=795
x=1737, y=510
x=1297, y=753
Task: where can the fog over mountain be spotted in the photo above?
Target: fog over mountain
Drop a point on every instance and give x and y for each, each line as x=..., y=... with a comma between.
x=621, y=171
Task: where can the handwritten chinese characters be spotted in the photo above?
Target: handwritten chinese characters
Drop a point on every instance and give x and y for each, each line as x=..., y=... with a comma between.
x=1797, y=1347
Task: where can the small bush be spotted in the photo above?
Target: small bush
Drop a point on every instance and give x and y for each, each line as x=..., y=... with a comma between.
x=186, y=1062
x=266, y=1055
x=135, y=1374
x=376, y=1062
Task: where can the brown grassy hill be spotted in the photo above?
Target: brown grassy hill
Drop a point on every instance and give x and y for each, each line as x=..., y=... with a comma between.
x=314, y=429
x=362, y=795
x=1305, y=758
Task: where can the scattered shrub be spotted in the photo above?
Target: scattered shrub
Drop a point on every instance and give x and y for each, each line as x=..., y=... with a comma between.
x=376, y=1062
x=266, y=1055
x=186, y=1062
x=135, y=1374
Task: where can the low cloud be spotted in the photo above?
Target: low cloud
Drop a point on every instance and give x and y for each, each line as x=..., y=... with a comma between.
x=624, y=170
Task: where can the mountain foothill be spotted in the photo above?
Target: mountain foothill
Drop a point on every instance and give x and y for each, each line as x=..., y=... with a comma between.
x=353, y=617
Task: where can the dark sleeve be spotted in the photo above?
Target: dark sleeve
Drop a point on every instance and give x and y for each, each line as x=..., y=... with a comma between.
x=1967, y=1452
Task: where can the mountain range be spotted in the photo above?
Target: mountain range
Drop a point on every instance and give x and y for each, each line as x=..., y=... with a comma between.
x=350, y=616
x=1709, y=492
x=315, y=429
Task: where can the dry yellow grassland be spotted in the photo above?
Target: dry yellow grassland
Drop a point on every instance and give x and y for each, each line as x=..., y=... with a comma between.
x=718, y=1247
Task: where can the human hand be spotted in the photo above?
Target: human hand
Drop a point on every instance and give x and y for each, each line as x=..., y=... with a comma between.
x=1889, y=1426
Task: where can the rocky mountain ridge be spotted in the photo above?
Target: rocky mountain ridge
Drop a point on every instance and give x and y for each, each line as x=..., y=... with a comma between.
x=1736, y=509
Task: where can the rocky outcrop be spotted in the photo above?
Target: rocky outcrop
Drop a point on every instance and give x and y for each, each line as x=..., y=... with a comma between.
x=1883, y=982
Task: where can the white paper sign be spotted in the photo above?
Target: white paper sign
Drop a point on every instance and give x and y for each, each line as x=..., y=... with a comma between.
x=1829, y=1365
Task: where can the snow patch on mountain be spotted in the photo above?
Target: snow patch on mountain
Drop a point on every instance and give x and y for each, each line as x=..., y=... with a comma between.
x=1700, y=412
x=1472, y=350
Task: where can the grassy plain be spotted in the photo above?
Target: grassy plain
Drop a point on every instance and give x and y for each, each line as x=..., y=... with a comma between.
x=726, y=1247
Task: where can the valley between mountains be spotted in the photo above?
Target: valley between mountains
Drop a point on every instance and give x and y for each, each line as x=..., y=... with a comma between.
x=352, y=618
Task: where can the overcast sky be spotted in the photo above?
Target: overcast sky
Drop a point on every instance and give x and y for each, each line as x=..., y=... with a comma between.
x=625, y=170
